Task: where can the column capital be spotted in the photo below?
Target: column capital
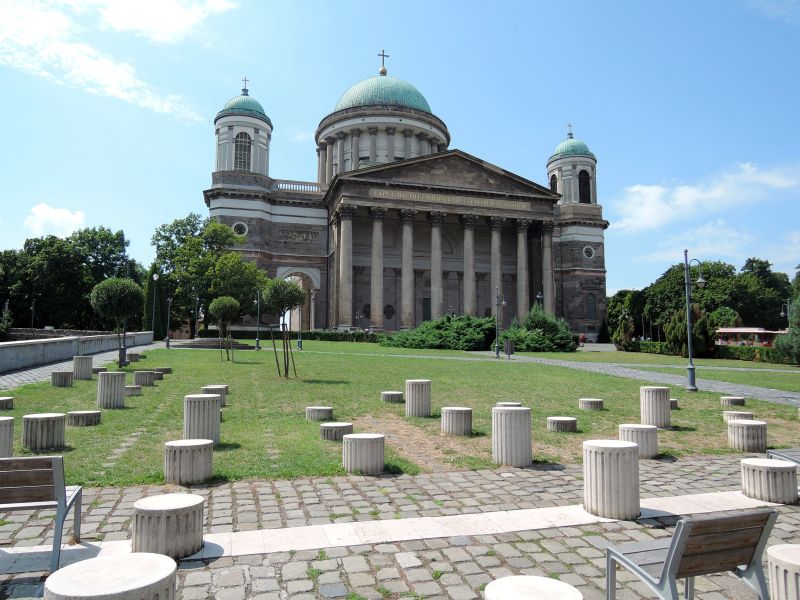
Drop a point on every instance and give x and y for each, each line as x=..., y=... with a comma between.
x=372, y=130
x=390, y=130
x=407, y=215
x=329, y=140
x=547, y=227
x=523, y=224
x=377, y=213
x=346, y=211
x=468, y=221
x=341, y=135
x=495, y=223
x=436, y=217
x=408, y=132
x=355, y=132
x=322, y=146
x=422, y=136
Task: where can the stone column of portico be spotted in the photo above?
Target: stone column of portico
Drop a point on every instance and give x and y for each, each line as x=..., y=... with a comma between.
x=407, y=270
x=434, y=146
x=329, y=159
x=320, y=163
x=346, y=213
x=468, y=222
x=376, y=269
x=390, y=142
x=340, y=152
x=548, y=285
x=407, y=133
x=523, y=295
x=373, y=143
x=355, y=135
x=424, y=146
x=437, y=290
x=495, y=224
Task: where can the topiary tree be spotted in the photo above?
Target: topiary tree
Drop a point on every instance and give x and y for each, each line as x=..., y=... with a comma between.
x=281, y=295
x=117, y=299
x=224, y=310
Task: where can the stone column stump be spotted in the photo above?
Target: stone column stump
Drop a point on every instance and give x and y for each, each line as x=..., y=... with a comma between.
x=170, y=524
x=133, y=390
x=83, y=418
x=43, y=431
x=645, y=436
x=188, y=461
x=111, y=389
x=611, y=479
x=562, y=424
x=61, y=378
x=363, y=453
x=220, y=389
x=82, y=367
x=6, y=402
x=731, y=401
x=673, y=404
x=96, y=370
x=418, y=397
x=132, y=357
x=530, y=587
x=201, y=417
x=334, y=432
x=769, y=480
x=590, y=404
x=456, y=420
x=747, y=435
x=741, y=415
x=511, y=436
x=158, y=375
x=654, y=406
x=319, y=413
x=507, y=404
x=144, y=378
x=783, y=573
x=121, y=576
x=392, y=397
x=165, y=370
x=6, y=437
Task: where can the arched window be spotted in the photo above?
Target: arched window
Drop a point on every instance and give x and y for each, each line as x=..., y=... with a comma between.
x=241, y=152
x=584, y=188
x=591, y=307
x=553, y=183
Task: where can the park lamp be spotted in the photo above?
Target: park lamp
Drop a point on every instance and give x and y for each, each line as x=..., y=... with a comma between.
x=498, y=303
x=691, y=385
x=153, y=309
x=786, y=308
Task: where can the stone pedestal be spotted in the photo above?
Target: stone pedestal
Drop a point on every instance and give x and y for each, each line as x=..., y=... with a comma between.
x=132, y=357
x=565, y=424
x=201, y=417
x=456, y=420
x=731, y=401
x=654, y=406
x=673, y=404
x=43, y=431
x=530, y=587
x=392, y=397
x=96, y=370
x=164, y=370
x=334, y=432
x=133, y=390
x=511, y=436
x=783, y=571
x=319, y=413
x=507, y=404
x=418, y=397
x=144, y=378
x=6, y=437
x=188, y=461
x=747, y=435
x=740, y=415
x=111, y=389
x=120, y=576
x=61, y=378
x=83, y=418
x=770, y=480
x=590, y=404
x=611, y=479
x=82, y=367
x=645, y=436
x=170, y=524
x=6, y=403
x=158, y=375
x=363, y=453
x=220, y=389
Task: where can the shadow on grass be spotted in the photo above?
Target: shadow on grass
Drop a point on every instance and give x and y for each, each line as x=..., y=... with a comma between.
x=326, y=381
x=682, y=428
x=246, y=362
x=665, y=457
x=225, y=446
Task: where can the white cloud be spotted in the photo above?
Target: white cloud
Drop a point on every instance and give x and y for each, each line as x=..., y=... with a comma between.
x=647, y=207
x=787, y=10
x=46, y=220
x=712, y=240
x=784, y=254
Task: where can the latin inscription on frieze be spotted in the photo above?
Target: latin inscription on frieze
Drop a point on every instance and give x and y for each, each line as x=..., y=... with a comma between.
x=298, y=235
x=447, y=199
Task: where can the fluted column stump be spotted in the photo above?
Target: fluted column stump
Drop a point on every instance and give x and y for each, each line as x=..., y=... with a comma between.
x=319, y=413
x=83, y=418
x=201, y=417
x=611, y=479
x=769, y=480
x=111, y=389
x=507, y=404
x=741, y=415
x=783, y=572
x=530, y=587
x=61, y=378
x=220, y=389
x=96, y=370
x=334, y=432
x=6, y=402
x=731, y=401
x=654, y=406
x=6, y=437
x=562, y=424
x=456, y=420
x=418, y=397
x=144, y=378
x=747, y=435
x=170, y=524
x=590, y=404
x=133, y=390
x=188, y=461
x=164, y=370
x=673, y=404
x=511, y=436
x=82, y=367
x=363, y=453
x=392, y=397
x=645, y=436
x=43, y=431
x=132, y=357
x=158, y=375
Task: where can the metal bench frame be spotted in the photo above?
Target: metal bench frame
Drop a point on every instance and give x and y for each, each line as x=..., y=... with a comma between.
x=37, y=483
x=790, y=454
x=702, y=545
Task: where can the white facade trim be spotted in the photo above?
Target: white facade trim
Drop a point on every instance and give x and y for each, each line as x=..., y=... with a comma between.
x=310, y=272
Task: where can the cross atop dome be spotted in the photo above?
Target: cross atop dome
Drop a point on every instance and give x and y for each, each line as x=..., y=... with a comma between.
x=244, y=89
x=383, y=56
x=569, y=131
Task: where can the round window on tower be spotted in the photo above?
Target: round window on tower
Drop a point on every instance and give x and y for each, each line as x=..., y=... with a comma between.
x=240, y=228
x=588, y=252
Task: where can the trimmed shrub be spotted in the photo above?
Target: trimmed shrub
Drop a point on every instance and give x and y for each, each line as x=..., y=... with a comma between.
x=754, y=354
x=448, y=333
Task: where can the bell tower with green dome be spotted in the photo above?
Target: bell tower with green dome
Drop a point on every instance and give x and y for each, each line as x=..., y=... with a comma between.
x=571, y=171
x=244, y=132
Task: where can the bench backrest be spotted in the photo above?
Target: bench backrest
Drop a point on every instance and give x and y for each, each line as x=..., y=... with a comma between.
x=32, y=479
x=713, y=544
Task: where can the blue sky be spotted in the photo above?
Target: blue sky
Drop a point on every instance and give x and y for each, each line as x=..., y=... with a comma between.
x=690, y=107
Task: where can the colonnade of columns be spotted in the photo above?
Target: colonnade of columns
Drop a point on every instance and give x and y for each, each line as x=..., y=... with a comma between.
x=344, y=216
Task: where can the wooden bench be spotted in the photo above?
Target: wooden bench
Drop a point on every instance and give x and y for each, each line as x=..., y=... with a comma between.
x=37, y=483
x=790, y=454
x=703, y=545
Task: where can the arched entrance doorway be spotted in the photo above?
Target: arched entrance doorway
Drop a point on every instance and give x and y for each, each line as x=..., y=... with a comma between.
x=304, y=317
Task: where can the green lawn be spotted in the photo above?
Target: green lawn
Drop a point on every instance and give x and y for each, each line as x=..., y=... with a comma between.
x=777, y=381
x=265, y=435
x=641, y=358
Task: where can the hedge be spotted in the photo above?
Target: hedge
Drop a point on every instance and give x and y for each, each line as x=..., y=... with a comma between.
x=326, y=336
x=751, y=353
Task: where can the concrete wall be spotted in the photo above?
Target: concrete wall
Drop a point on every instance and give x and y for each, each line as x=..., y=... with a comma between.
x=34, y=353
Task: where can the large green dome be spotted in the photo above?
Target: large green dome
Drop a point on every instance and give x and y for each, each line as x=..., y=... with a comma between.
x=244, y=104
x=571, y=147
x=383, y=90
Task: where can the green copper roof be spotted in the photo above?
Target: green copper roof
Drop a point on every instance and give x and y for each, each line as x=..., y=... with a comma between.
x=571, y=147
x=244, y=105
x=383, y=90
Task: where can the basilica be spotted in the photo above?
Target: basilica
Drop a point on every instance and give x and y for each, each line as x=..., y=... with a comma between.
x=400, y=228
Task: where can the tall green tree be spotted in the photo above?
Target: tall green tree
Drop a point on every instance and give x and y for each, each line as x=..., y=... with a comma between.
x=117, y=299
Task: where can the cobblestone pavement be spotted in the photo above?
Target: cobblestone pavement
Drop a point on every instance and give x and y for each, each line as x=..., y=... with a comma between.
x=447, y=568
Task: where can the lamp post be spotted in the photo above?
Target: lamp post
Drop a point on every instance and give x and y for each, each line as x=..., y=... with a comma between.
x=153, y=310
x=169, y=314
x=258, y=319
x=690, y=384
x=498, y=303
x=196, y=317
x=788, y=309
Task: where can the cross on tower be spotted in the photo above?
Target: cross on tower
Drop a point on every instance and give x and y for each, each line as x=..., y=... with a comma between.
x=245, y=80
x=383, y=56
